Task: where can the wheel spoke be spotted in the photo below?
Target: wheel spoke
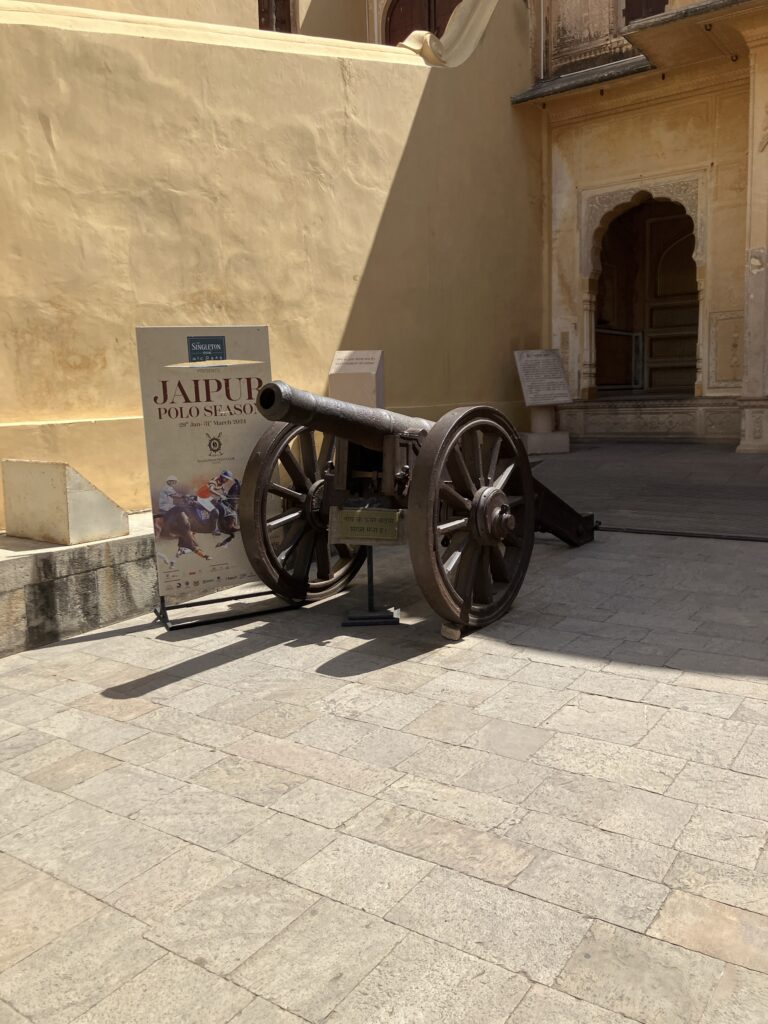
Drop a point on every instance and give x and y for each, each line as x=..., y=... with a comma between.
x=308, y=453
x=285, y=519
x=291, y=540
x=453, y=526
x=460, y=474
x=483, y=580
x=302, y=561
x=465, y=577
x=323, y=554
x=493, y=460
x=452, y=560
x=475, y=456
x=505, y=476
x=295, y=471
x=286, y=492
x=499, y=567
x=451, y=497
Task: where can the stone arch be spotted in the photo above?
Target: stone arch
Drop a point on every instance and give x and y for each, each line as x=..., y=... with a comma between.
x=598, y=210
x=601, y=209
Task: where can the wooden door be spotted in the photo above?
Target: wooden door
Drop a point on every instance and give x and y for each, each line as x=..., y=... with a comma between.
x=672, y=306
x=406, y=16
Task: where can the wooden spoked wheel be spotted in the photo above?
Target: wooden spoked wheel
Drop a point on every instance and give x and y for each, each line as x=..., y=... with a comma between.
x=284, y=522
x=471, y=516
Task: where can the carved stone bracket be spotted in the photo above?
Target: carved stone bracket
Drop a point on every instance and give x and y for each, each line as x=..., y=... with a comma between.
x=599, y=209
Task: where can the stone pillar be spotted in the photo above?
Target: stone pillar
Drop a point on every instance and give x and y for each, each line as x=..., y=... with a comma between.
x=754, y=413
x=588, y=385
x=701, y=341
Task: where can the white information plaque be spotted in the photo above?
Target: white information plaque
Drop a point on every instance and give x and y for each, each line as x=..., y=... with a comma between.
x=542, y=377
x=358, y=377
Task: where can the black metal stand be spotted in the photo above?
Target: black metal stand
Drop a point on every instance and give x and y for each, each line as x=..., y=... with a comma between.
x=161, y=612
x=372, y=616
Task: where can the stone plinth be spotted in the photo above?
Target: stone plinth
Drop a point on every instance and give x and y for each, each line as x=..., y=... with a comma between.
x=51, y=501
x=49, y=593
x=553, y=442
x=357, y=377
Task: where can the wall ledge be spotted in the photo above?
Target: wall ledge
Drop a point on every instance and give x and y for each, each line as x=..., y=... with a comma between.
x=85, y=20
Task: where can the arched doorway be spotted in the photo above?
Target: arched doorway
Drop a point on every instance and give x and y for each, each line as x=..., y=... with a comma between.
x=647, y=309
x=405, y=16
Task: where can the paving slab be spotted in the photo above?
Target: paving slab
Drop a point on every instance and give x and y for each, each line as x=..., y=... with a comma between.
x=201, y=816
x=434, y=984
x=37, y=909
x=644, y=979
x=173, y=991
x=89, y=848
x=361, y=874
x=725, y=883
x=636, y=857
x=318, y=959
x=448, y=843
x=503, y=927
x=230, y=920
x=77, y=970
x=161, y=890
x=547, y=1006
x=734, y=935
x=280, y=845
x=593, y=890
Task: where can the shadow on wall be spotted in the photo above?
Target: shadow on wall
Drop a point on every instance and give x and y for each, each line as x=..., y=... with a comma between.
x=452, y=283
x=341, y=19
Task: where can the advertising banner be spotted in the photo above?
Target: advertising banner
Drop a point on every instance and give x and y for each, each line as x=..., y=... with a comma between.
x=198, y=387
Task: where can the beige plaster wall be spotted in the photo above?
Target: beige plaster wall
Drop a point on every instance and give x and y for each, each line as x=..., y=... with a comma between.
x=686, y=137
x=348, y=199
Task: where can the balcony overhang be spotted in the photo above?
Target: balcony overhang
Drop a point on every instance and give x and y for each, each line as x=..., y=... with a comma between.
x=701, y=32
x=582, y=79
x=704, y=32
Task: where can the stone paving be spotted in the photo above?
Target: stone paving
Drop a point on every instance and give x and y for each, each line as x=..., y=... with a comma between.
x=691, y=488
x=560, y=820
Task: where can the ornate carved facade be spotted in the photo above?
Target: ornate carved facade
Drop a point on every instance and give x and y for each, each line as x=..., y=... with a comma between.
x=575, y=34
x=644, y=101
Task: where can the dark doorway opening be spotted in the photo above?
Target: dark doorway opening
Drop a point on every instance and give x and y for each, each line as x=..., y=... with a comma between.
x=275, y=15
x=405, y=16
x=635, y=9
x=647, y=311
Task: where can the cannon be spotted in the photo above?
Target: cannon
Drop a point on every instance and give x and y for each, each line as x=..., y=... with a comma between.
x=329, y=478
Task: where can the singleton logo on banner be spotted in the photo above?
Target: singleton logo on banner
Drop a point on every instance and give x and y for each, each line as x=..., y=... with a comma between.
x=202, y=350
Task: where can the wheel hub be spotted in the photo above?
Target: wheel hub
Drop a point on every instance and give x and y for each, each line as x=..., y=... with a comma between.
x=491, y=520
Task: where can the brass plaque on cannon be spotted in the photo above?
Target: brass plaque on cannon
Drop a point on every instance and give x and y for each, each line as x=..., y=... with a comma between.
x=366, y=526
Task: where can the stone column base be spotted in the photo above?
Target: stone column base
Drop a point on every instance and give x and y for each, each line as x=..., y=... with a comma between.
x=754, y=426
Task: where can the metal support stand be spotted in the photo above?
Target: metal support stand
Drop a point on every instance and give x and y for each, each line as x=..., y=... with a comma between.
x=372, y=616
x=161, y=612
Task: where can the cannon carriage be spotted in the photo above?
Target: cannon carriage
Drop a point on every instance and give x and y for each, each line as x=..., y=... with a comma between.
x=330, y=477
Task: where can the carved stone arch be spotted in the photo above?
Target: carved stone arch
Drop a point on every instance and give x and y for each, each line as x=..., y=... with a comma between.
x=599, y=210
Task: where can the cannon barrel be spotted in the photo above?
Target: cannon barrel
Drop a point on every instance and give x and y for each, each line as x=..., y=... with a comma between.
x=358, y=423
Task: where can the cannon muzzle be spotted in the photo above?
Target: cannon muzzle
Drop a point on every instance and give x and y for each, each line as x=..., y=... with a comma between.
x=358, y=423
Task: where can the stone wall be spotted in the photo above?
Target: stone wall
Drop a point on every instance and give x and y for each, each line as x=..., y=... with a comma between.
x=55, y=593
